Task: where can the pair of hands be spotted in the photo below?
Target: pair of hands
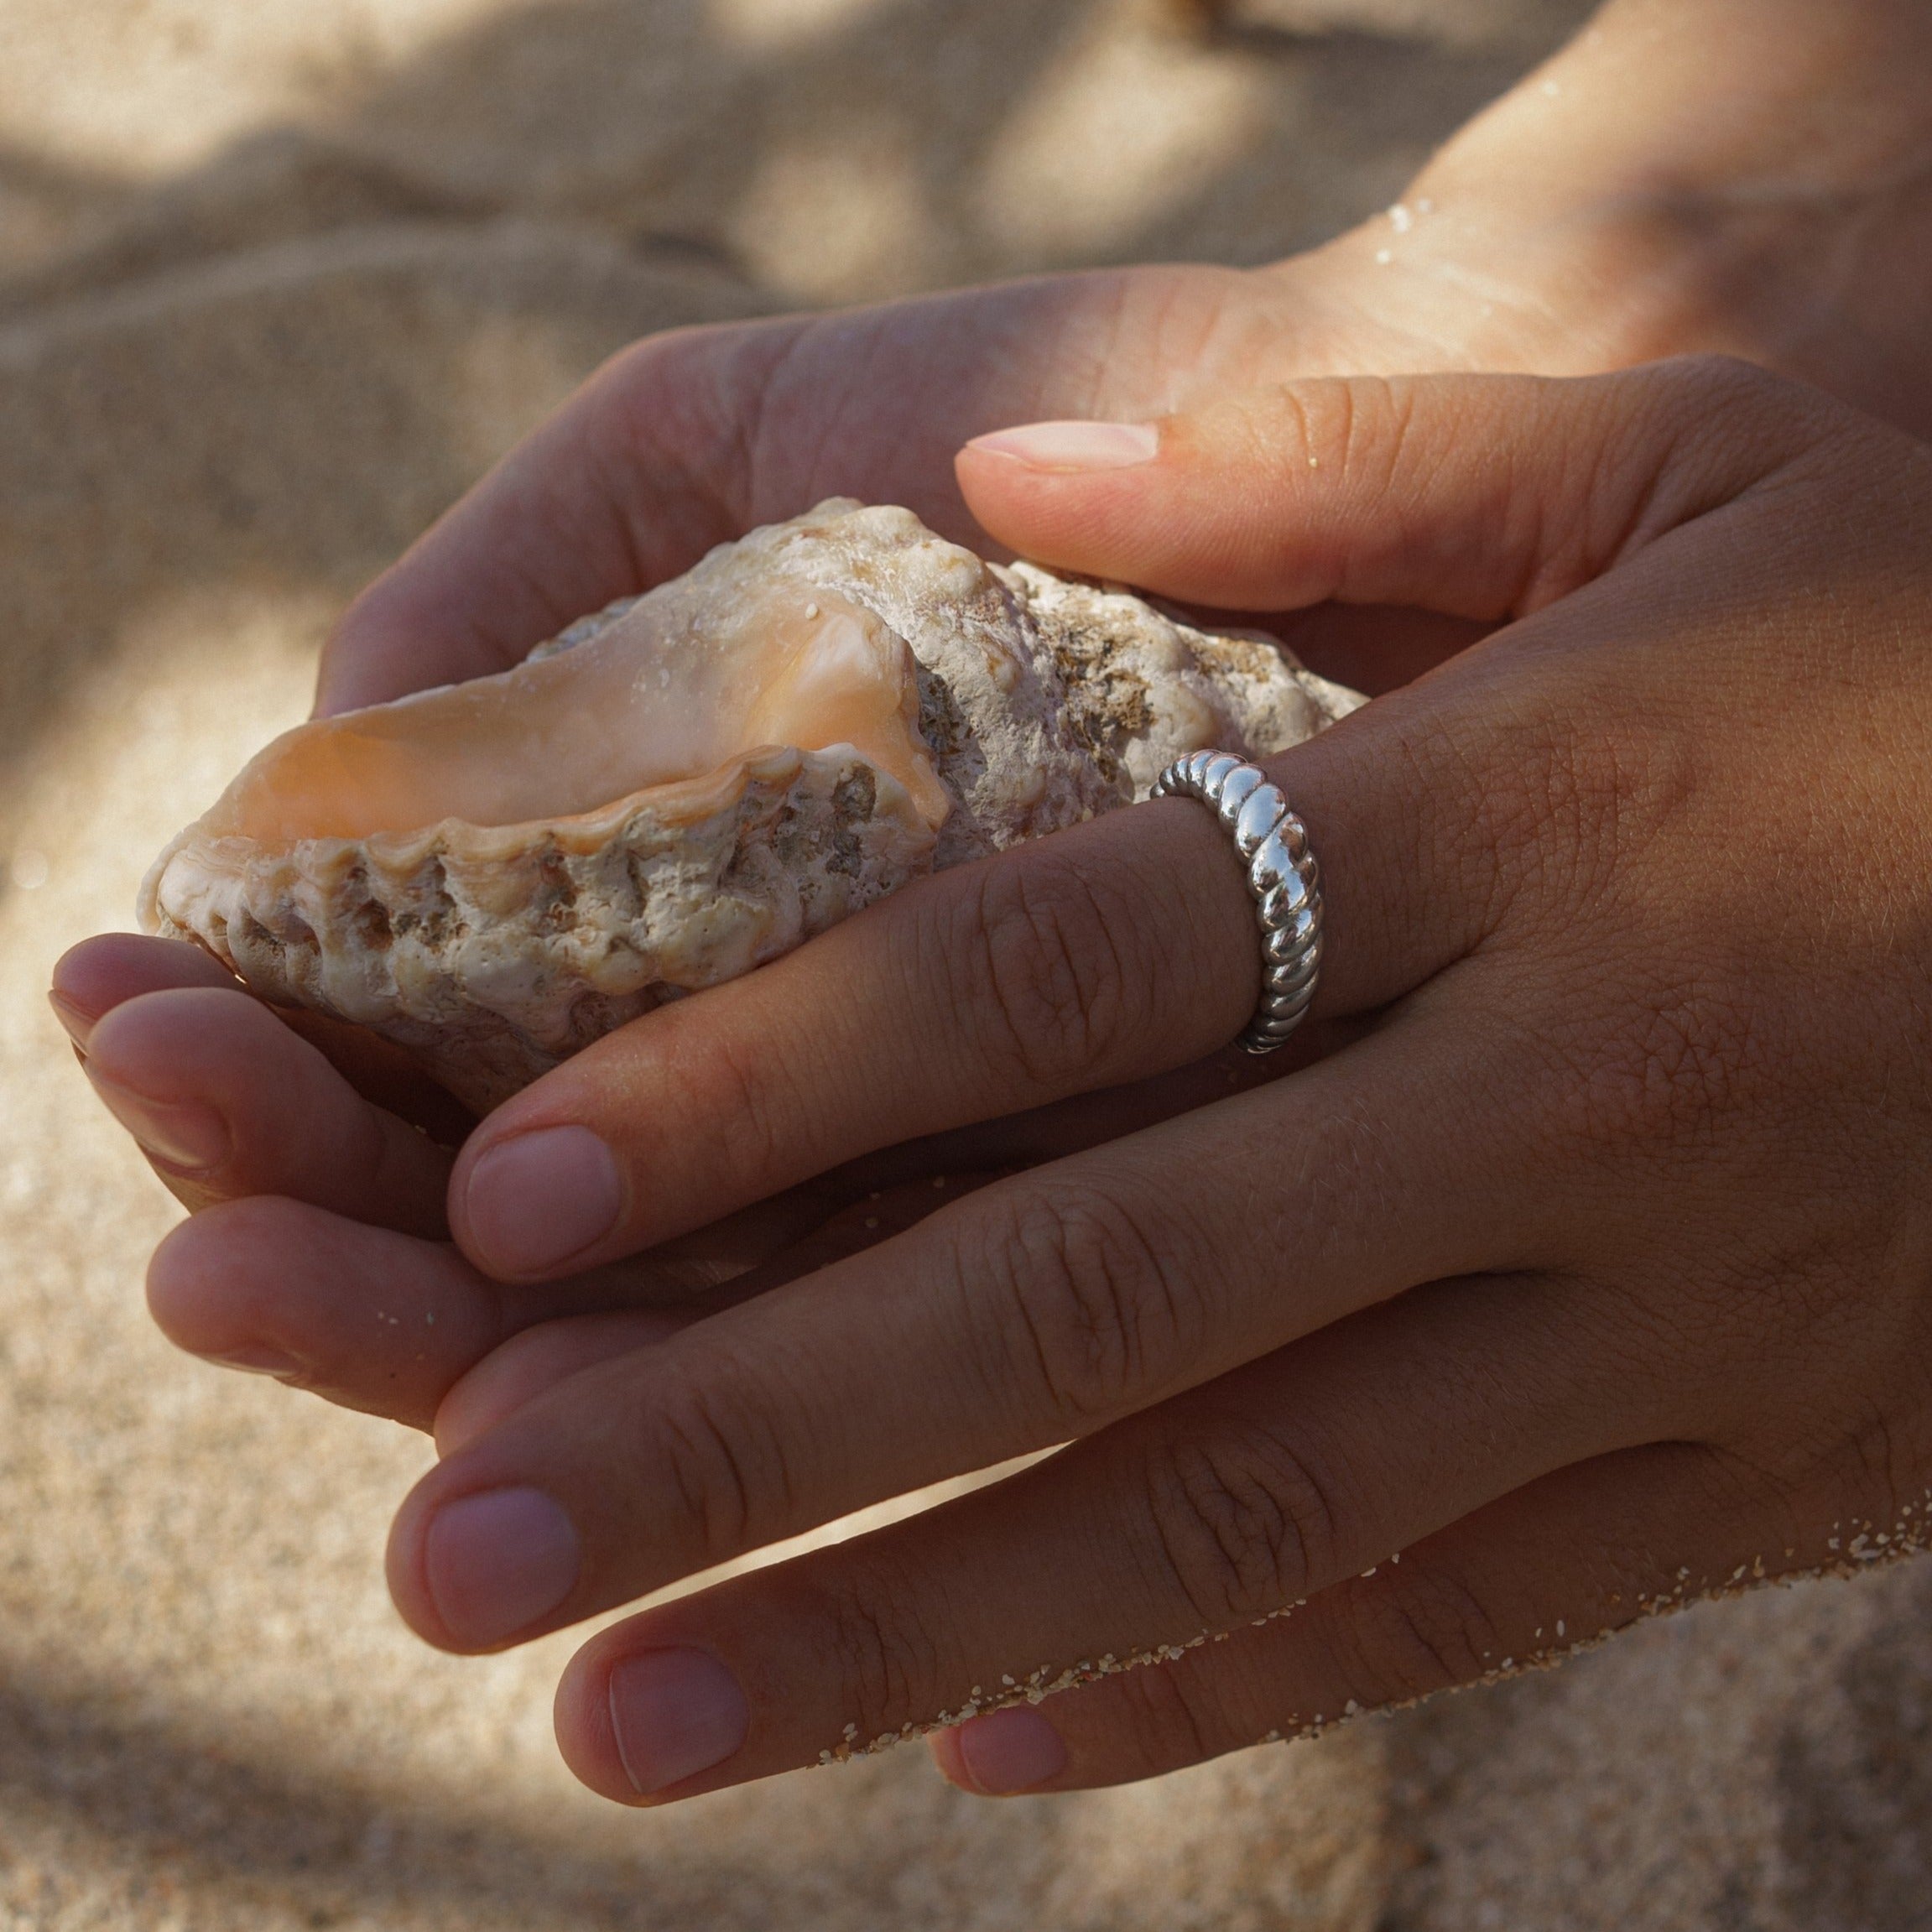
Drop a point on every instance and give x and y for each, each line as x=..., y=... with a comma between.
x=1584, y=1261
x=1580, y=1256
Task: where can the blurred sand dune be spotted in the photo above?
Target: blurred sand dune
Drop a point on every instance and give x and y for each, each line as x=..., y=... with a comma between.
x=838, y=150
x=276, y=283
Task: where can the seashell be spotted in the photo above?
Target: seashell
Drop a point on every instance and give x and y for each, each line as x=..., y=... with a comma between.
x=690, y=783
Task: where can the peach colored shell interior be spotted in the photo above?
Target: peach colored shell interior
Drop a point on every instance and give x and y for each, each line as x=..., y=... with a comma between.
x=649, y=703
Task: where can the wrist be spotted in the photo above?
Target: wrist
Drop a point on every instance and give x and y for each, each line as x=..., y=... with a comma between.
x=1622, y=203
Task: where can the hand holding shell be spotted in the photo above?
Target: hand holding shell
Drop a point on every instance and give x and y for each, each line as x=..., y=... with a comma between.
x=691, y=783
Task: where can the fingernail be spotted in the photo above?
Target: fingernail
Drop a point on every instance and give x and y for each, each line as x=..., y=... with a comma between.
x=1073, y=446
x=187, y=1135
x=674, y=1713
x=76, y=1020
x=536, y=1200
x=1010, y=1750
x=497, y=1562
x=258, y=1361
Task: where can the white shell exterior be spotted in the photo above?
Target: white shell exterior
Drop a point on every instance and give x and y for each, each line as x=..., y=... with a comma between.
x=493, y=953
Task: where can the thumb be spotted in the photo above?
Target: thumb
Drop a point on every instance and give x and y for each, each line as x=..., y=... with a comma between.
x=1480, y=496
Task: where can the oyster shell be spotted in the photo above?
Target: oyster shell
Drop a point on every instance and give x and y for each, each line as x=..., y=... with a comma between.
x=690, y=783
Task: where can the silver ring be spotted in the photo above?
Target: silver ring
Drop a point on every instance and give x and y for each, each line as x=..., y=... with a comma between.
x=1282, y=875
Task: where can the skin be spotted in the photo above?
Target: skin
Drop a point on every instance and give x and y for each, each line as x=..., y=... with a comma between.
x=1603, y=1255
x=1603, y=1194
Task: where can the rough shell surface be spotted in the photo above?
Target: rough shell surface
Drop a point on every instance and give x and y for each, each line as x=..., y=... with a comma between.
x=493, y=952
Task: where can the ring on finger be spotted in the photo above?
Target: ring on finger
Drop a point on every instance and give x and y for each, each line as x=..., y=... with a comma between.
x=1282, y=875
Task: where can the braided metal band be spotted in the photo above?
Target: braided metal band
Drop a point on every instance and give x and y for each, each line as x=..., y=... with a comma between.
x=1282, y=875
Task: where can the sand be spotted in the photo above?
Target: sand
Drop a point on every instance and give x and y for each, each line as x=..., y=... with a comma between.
x=276, y=281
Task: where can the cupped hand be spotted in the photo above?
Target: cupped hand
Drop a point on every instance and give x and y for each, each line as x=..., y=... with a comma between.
x=321, y=1254
x=322, y=1257
x=1592, y=1275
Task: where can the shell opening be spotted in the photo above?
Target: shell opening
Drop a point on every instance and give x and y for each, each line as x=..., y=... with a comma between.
x=655, y=703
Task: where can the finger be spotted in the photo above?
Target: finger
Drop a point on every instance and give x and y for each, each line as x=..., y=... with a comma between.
x=382, y=1323
x=861, y=1202
x=1480, y=496
x=1551, y=1569
x=1040, y=1309
x=535, y=1361
x=978, y=994
x=225, y=1101
x=366, y=1318
x=1225, y=1507
x=274, y=1296
x=1012, y=1143
x=102, y=973
x=91, y=979
x=1106, y=955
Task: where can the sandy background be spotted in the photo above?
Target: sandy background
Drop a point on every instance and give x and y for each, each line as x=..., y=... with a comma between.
x=278, y=277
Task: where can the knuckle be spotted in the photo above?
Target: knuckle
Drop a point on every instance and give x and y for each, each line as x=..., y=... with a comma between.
x=661, y=395
x=1159, y=1721
x=1036, y=955
x=1093, y=1308
x=727, y=1471
x=880, y=1652
x=626, y=391
x=749, y=1079
x=1242, y=1521
x=1357, y=427
x=1719, y=423
x=1578, y=816
x=1565, y=801
x=1431, y=1632
x=1663, y=1074
x=1732, y=382
x=1550, y=805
